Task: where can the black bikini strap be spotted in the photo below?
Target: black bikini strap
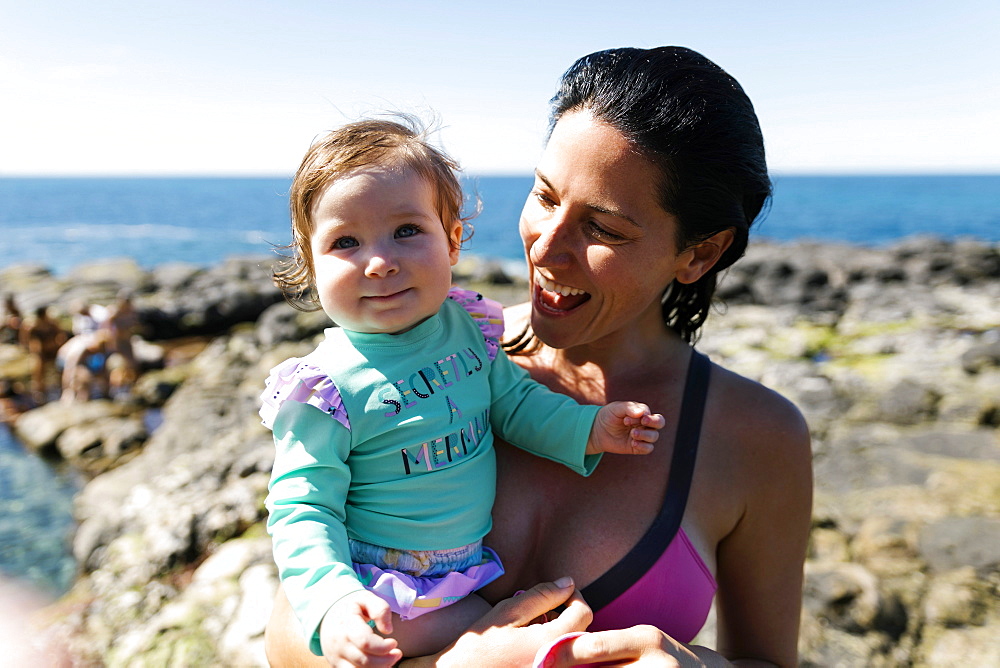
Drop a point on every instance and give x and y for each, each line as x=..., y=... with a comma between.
x=661, y=532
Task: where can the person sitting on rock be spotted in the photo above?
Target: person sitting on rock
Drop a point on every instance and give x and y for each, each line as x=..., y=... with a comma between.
x=121, y=324
x=85, y=366
x=87, y=318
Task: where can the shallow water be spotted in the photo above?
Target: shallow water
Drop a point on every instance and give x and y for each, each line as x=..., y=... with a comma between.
x=36, y=517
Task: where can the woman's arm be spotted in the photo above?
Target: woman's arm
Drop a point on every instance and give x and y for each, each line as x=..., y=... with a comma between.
x=506, y=637
x=760, y=562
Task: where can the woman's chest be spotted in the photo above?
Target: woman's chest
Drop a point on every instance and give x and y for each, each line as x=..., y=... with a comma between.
x=549, y=522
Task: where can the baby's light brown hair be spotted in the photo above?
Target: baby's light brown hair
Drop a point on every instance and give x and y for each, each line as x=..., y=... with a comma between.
x=400, y=143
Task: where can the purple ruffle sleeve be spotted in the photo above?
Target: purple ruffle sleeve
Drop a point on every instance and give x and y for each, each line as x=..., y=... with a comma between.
x=487, y=313
x=295, y=380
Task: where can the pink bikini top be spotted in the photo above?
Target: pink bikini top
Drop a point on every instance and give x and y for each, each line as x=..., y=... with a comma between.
x=663, y=580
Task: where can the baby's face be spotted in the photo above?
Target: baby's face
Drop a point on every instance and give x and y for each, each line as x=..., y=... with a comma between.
x=381, y=256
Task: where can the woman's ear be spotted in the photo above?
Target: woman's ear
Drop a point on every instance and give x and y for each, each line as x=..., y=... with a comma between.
x=697, y=260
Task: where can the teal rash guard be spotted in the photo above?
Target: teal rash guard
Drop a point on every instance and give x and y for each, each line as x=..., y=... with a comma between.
x=387, y=439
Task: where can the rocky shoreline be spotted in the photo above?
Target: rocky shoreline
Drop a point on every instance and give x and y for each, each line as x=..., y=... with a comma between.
x=892, y=354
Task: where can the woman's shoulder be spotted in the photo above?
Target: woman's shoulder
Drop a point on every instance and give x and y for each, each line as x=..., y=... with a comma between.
x=758, y=457
x=759, y=421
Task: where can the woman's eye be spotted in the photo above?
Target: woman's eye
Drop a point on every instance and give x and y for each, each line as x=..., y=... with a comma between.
x=543, y=199
x=603, y=234
x=344, y=242
x=407, y=231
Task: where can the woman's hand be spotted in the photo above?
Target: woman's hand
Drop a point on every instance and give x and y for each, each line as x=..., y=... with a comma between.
x=641, y=646
x=506, y=637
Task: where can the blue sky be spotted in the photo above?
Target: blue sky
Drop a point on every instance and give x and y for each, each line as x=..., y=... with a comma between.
x=241, y=87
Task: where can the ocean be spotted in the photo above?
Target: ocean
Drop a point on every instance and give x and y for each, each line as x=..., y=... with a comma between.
x=62, y=222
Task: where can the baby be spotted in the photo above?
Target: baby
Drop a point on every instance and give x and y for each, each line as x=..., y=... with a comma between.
x=384, y=474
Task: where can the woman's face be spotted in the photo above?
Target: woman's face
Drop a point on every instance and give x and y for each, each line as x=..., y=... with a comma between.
x=600, y=248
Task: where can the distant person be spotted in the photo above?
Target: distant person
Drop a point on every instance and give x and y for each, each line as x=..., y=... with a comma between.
x=10, y=325
x=43, y=336
x=122, y=324
x=85, y=367
x=88, y=318
x=383, y=479
x=652, y=176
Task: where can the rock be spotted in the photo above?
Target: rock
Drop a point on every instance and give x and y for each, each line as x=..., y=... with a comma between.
x=208, y=302
x=110, y=276
x=15, y=363
x=174, y=276
x=888, y=546
x=100, y=445
x=155, y=387
x=957, y=598
x=961, y=541
x=908, y=402
x=39, y=429
x=962, y=647
x=847, y=596
x=981, y=356
x=490, y=271
x=282, y=322
x=183, y=493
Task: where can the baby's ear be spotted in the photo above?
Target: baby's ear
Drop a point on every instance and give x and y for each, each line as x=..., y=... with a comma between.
x=455, y=239
x=696, y=261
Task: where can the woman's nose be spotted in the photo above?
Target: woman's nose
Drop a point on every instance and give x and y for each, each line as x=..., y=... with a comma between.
x=547, y=240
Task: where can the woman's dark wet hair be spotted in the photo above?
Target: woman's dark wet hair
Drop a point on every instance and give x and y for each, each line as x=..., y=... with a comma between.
x=692, y=120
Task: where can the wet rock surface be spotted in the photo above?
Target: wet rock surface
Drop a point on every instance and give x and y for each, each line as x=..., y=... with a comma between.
x=891, y=354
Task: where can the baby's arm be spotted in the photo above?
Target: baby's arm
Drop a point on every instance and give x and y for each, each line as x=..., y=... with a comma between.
x=347, y=636
x=306, y=507
x=624, y=428
x=530, y=416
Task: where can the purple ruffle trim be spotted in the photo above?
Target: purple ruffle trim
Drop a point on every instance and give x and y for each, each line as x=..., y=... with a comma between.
x=411, y=596
x=295, y=380
x=487, y=313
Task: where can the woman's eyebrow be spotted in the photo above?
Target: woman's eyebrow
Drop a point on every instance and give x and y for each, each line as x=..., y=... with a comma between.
x=600, y=209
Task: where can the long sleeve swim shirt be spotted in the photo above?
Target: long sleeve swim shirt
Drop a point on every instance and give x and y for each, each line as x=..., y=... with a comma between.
x=387, y=439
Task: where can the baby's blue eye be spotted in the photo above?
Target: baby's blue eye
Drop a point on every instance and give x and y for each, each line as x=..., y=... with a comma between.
x=345, y=242
x=407, y=231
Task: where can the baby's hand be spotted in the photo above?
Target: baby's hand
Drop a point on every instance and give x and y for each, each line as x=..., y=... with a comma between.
x=349, y=640
x=625, y=428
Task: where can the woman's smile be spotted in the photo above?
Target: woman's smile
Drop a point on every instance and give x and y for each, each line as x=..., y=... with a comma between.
x=555, y=297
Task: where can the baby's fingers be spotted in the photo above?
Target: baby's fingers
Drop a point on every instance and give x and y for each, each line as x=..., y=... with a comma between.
x=379, y=612
x=641, y=441
x=363, y=641
x=653, y=421
x=634, y=411
x=358, y=657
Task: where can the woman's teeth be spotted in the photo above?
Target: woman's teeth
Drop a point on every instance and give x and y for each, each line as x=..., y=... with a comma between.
x=552, y=286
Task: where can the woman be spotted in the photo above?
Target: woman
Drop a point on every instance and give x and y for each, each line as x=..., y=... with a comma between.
x=652, y=175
